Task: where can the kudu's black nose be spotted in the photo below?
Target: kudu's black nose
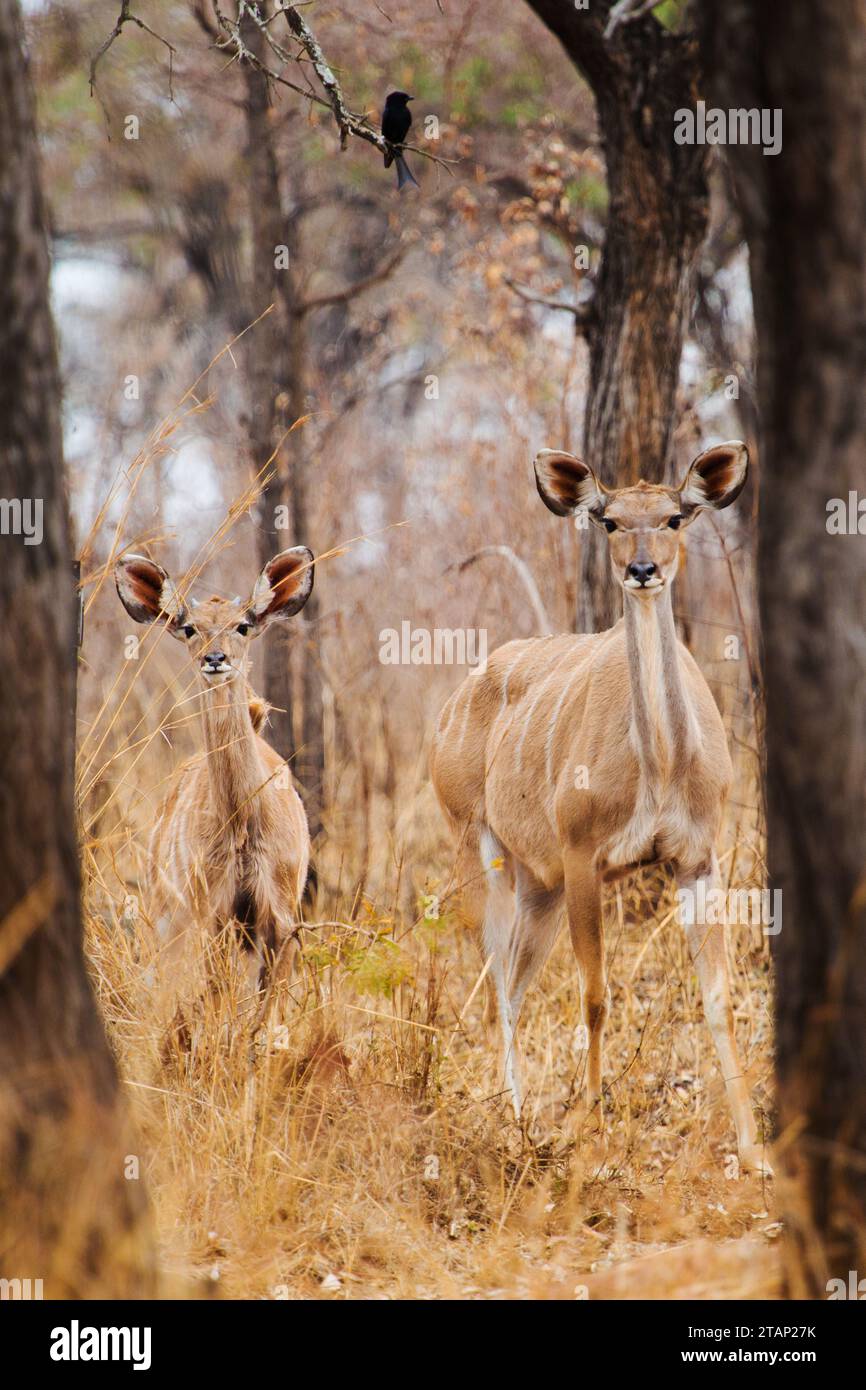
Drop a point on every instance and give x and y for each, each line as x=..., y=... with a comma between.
x=642, y=570
x=214, y=658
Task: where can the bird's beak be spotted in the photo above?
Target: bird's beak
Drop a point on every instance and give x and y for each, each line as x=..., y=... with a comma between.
x=410, y=98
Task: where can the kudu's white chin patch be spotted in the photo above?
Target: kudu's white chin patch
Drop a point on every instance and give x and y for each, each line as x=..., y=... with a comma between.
x=634, y=586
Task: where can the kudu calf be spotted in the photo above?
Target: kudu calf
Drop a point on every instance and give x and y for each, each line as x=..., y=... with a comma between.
x=230, y=847
x=572, y=760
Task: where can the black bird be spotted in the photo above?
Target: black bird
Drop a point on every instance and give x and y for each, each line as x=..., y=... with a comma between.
x=396, y=120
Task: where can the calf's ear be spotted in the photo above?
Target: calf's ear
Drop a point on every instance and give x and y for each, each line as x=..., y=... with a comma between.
x=283, y=586
x=146, y=591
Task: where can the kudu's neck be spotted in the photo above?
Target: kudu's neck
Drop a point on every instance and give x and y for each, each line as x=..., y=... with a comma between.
x=663, y=725
x=234, y=765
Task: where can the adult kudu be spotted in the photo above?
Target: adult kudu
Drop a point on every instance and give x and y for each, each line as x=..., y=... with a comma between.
x=572, y=760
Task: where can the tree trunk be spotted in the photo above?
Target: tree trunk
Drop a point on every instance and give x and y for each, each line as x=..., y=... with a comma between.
x=656, y=220
x=68, y=1214
x=805, y=217
x=269, y=379
x=277, y=390
x=309, y=762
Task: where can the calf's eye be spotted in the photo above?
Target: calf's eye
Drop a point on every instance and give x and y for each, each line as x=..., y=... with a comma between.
x=674, y=523
x=243, y=629
x=189, y=630
x=609, y=525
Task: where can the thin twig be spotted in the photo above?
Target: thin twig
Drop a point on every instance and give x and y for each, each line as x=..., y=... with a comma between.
x=125, y=17
x=583, y=313
x=525, y=574
x=350, y=292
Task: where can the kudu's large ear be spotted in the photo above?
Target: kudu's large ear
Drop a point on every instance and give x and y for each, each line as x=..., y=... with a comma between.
x=147, y=593
x=283, y=586
x=565, y=484
x=715, y=479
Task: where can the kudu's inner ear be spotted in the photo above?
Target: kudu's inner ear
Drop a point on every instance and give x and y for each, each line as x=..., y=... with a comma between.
x=565, y=484
x=716, y=478
x=146, y=591
x=283, y=586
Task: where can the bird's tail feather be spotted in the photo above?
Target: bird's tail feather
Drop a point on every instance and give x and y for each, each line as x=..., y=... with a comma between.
x=404, y=173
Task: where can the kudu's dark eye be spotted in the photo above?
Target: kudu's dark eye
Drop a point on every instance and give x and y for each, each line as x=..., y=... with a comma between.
x=243, y=629
x=189, y=630
x=609, y=525
x=674, y=523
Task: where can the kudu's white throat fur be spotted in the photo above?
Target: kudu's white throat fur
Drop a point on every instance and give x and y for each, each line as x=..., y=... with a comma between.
x=572, y=760
x=230, y=849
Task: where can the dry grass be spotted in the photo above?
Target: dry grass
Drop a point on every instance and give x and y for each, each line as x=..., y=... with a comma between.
x=365, y=1139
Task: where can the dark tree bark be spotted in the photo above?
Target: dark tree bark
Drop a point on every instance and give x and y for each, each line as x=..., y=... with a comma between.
x=67, y=1213
x=277, y=399
x=655, y=225
x=309, y=760
x=270, y=383
x=805, y=217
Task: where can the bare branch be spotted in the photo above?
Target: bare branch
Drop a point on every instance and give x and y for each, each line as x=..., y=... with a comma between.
x=520, y=566
x=583, y=313
x=125, y=17
x=351, y=292
x=305, y=36
x=347, y=122
x=358, y=398
x=233, y=43
x=106, y=231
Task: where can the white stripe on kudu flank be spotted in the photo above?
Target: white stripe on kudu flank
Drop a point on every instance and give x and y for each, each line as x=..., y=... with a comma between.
x=470, y=688
x=551, y=733
x=504, y=702
x=527, y=723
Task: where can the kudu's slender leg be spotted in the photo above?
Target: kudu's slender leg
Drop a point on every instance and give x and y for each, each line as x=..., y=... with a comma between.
x=583, y=905
x=707, y=946
x=537, y=924
x=470, y=903
x=498, y=928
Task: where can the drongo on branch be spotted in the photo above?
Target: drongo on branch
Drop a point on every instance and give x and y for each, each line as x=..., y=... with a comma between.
x=396, y=120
